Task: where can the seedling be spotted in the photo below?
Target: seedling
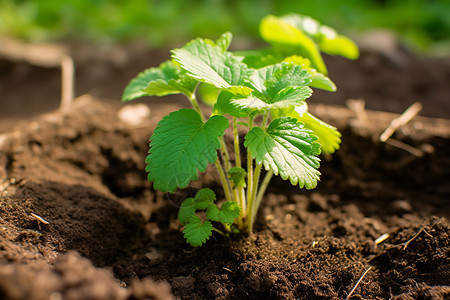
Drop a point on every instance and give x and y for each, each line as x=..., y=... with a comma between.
x=262, y=91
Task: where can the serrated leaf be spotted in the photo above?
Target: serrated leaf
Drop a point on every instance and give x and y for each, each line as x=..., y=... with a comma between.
x=187, y=210
x=134, y=88
x=204, y=198
x=288, y=149
x=269, y=82
x=165, y=80
x=237, y=176
x=197, y=232
x=318, y=80
x=276, y=86
x=290, y=40
x=209, y=63
x=328, y=136
x=224, y=105
x=181, y=146
x=170, y=80
x=227, y=213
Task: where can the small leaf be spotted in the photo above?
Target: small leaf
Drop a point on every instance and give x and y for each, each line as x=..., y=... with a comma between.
x=171, y=80
x=165, y=80
x=181, y=146
x=227, y=213
x=288, y=149
x=209, y=63
x=204, y=198
x=237, y=176
x=187, y=210
x=197, y=232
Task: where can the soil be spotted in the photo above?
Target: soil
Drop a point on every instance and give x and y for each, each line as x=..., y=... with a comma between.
x=78, y=220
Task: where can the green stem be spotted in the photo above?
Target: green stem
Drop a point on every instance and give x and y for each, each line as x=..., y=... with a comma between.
x=240, y=189
x=237, y=150
x=251, y=201
x=249, y=164
x=261, y=193
x=220, y=232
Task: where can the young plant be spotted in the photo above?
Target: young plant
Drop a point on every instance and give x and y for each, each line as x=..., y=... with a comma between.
x=263, y=91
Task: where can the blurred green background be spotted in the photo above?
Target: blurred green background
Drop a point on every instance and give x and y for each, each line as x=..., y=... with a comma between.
x=423, y=25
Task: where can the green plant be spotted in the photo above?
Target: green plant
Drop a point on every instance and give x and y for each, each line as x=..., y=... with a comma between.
x=262, y=90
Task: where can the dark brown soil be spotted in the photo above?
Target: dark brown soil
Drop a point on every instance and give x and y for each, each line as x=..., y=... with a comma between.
x=83, y=174
x=106, y=234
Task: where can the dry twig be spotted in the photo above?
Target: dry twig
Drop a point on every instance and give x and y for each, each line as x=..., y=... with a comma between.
x=357, y=283
x=400, y=121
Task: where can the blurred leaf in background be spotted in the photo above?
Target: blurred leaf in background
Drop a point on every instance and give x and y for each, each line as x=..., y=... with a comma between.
x=421, y=24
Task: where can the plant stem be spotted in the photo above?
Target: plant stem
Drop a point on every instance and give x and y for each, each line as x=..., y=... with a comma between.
x=261, y=192
x=240, y=189
x=249, y=164
x=237, y=150
x=220, y=232
x=251, y=201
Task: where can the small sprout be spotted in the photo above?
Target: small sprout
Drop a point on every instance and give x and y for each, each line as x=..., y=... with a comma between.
x=265, y=91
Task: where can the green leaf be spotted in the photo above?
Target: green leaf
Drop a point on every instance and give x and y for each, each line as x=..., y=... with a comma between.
x=227, y=213
x=269, y=82
x=197, y=232
x=276, y=86
x=237, y=176
x=259, y=58
x=288, y=149
x=134, y=88
x=204, y=198
x=187, y=210
x=165, y=80
x=170, y=80
x=224, y=105
x=209, y=63
x=208, y=94
x=326, y=37
x=289, y=40
x=340, y=45
x=181, y=146
x=328, y=136
x=318, y=80
x=224, y=41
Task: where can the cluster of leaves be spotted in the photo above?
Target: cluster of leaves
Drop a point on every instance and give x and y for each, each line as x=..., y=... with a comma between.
x=197, y=231
x=272, y=83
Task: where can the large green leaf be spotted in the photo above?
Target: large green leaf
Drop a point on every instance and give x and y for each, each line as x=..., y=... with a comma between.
x=181, y=146
x=288, y=149
x=290, y=40
x=209, y=63
x=164, y=80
